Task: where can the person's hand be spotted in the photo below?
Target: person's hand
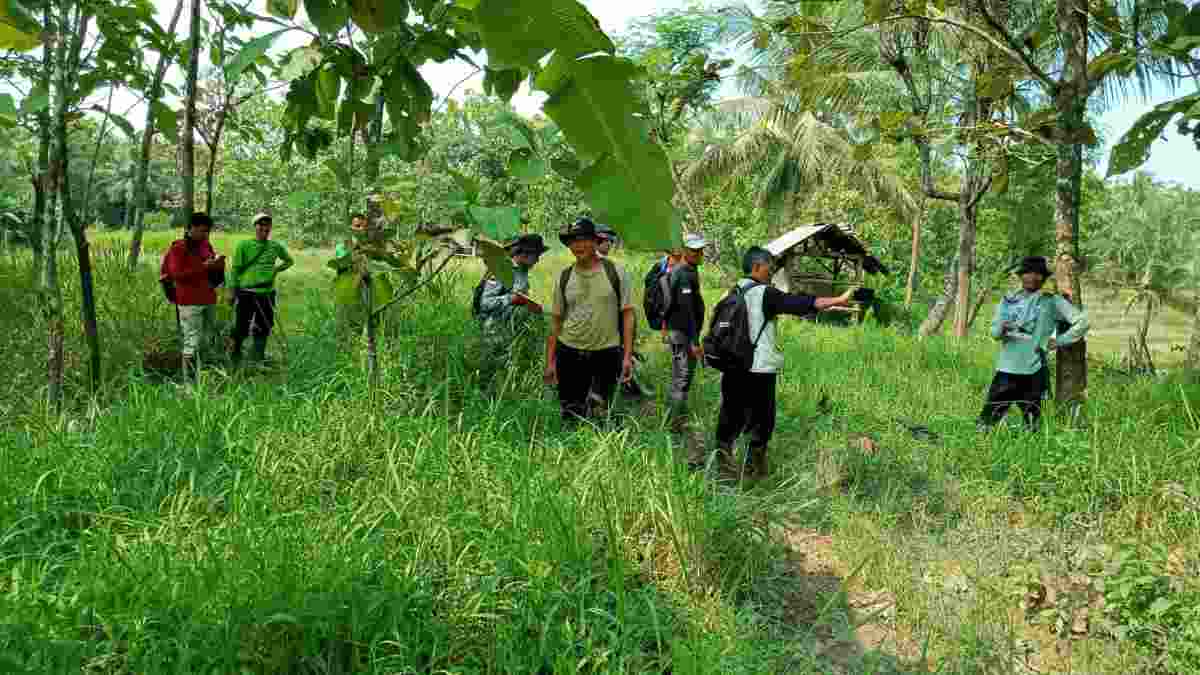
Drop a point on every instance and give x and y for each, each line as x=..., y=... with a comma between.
x=1051, y=344
x=627, y=368
x=697, y=352
x=551, y=374
x=519, y=299
x=533, y=307
x=845, y=298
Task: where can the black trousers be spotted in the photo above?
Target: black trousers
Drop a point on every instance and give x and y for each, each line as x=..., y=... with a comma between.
x=1024, y=391
x=580, y=372
x=256, y=308
x=747, y=406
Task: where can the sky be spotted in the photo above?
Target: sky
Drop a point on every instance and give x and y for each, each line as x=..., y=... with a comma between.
x=1173, y=158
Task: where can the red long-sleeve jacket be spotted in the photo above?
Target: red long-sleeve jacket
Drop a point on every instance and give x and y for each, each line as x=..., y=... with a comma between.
x=186, y=269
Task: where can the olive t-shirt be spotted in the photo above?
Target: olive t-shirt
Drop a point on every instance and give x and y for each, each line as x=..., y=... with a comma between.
x=592, y=314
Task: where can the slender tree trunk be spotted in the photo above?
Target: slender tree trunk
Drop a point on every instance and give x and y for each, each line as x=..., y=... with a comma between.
x=189, y=119
x=968, y=213
x=137, y=207
x=1070, y=103
x=374, y=140
x=42, y=245
x=941, y=308
x=914, y=264
x=67, y=74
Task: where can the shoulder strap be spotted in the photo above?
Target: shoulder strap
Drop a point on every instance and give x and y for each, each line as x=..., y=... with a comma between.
x=610, y=268
x=261, y=250
x=562, y=289
x=763, y=327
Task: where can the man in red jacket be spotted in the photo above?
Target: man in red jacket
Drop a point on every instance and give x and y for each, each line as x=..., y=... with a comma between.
x=193, y=267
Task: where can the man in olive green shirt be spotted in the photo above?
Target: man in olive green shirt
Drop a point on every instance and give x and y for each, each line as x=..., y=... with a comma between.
x=252, y=287
x=1026, y=323
x=588, y=349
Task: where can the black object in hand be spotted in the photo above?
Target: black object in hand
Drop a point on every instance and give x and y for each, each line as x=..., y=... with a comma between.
x=864, y=295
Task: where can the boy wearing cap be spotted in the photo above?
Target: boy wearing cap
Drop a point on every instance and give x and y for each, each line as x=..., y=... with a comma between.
x=252, y=287
x=591, y=325
x=683, y=324
x=1026, y=323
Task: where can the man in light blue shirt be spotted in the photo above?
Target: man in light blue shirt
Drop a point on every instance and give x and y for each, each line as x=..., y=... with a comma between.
x=1026, y=323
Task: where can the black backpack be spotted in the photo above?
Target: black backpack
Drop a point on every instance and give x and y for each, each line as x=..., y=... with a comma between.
x=477, y=298
x=728, y=347
x=657, y=300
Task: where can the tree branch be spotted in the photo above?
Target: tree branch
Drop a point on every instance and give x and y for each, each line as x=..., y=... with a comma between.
x=416, y=288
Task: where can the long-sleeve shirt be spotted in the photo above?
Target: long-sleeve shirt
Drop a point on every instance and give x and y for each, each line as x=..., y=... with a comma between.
x=185, y=267
x=496, y=302
x=254, y=266
x=1025, y=321
x=685, y=314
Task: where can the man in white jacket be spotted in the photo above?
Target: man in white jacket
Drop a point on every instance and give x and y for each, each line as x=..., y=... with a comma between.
x=748, y=398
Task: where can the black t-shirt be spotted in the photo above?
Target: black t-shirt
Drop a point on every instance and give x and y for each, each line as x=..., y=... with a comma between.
x=776, y=302
x=686, y=311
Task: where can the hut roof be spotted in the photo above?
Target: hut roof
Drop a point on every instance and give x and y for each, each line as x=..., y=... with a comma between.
x=838, y=238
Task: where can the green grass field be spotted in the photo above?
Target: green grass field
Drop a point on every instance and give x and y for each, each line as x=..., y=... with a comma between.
x=294, y=522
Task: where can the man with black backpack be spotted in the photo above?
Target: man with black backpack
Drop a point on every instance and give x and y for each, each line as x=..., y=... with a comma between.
x=742, y=345
x=496, y=307
x=683, y=322
x=591, y=325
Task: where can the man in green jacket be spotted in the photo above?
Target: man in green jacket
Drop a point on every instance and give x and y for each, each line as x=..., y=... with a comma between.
x=1026, y=324
x=252, y=287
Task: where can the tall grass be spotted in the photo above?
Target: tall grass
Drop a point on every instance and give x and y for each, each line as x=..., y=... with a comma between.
x=296, y=522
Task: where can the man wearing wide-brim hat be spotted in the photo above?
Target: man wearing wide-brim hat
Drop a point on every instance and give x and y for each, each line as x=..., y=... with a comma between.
x=1026, y=324
x=505, y=313
x=256, y=263
x=683, y=324
x=590, y=345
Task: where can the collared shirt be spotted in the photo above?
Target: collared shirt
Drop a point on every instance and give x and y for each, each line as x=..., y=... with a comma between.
x=254, y=265
x=1032, y=319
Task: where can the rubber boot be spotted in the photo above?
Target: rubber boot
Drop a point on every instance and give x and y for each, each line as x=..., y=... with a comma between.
x=727, y=467
x=756, y=460
x=258, y=353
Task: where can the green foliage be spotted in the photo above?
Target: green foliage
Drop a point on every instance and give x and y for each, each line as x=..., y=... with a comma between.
x=1134, y=147
x=1158, y=611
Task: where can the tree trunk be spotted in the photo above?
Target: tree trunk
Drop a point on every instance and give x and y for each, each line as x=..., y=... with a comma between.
x=968, y=212
x=189, y=118
x=941, y=308
x=137, y=206
x=68, y=71
x=374, y=140
x=1070, y=103
x=42, y=246
x=910, y=287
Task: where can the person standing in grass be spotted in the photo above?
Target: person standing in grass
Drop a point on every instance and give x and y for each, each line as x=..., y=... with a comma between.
x=590, y=345
x=504, y=313
x=683, y=324
x=191, y=271
x=748, y=398
x=1026, y=323
x=256, y=263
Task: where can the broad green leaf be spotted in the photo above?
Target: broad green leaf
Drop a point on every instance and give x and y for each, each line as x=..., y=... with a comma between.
x=166, y=121
x=517, y=131
x=567, y=167
x=329, y=16
x=502, y=83
x=405, y=87
x=497, y=260
x=37, y=101
x=8, y=105
x=526, y=167
x=354, y=115
x=348, y=291
x=630, y=206
x=378, y=16
x=502, y=222
x=598, y=112
x=284, y=9
x=518, y=33
x=18, y=30
x=329, y=89
x=1134, y=147
x=434, y=45
x=468, y=184
x=301, y=61
x=250, y=53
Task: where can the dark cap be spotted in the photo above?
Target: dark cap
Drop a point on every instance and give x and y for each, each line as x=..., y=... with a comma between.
x=529, y=243
x=583, y=228
x=1035, y=263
